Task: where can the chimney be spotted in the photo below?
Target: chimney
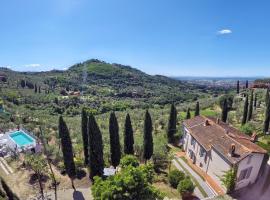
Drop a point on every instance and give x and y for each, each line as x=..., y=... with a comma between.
x=206, y=123
x=217, y=122
x=232, y=150
x=254, y=137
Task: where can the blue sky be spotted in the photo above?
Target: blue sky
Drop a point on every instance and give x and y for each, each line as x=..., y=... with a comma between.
x=172, y=37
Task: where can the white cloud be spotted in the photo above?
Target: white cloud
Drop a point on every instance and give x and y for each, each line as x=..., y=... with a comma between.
x=224, y=31
x=32, y=65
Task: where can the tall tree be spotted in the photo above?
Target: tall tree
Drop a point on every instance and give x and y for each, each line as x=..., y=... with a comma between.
x=67, y=150
x=36, y=89
x=114, y=140
x=246, y=83
x=128, y=136
x=147, y=137
x=267, y=112
x=84, y=124
x=255, y=101
x=245, y=111
x=96, y=162
x=197, y=109
x=23, y=83
x=250, y=109
x=188, y=116
x=172, y=124
x=224, y=115
x=238, y=87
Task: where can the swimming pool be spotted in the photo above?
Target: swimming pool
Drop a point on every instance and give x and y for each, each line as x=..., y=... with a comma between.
x=21, y=138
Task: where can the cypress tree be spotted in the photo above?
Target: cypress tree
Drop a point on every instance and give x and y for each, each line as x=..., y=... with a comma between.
x=172, y=124
x=267, y=98
x=245, y=111
x=114, y=140
x=128, y=137
x=147, y=137
x=250, y=109
x=188, y=116
x=246, y=83
x=23, y=83
x=224, y=111
x=238, y=87
x=39, y=89
x=255, y=101
x=96, y=162
x=197, y=109
x=84, y=123
x=35, y=88
x=67, y=150
x=267, y=112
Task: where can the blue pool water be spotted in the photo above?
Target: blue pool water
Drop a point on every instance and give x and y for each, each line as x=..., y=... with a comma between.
x=21, y=138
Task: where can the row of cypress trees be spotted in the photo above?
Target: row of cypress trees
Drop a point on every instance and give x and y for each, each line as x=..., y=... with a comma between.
x=251, y=104
x=248, y=107
x=93, y=144
x=238, y=86
x=173, y=121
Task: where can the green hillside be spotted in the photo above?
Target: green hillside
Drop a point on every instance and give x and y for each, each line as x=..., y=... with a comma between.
x=96, y=78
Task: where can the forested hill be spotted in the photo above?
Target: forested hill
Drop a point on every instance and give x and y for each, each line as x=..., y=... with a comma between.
x=98, y=78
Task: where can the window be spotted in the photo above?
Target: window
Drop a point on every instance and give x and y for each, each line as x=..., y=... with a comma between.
x=193, y=141
x=245, y=174
x=205, y=158
x=202, y=152
x=249, y=159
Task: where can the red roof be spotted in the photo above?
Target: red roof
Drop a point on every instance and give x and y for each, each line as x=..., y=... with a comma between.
x=221, y=136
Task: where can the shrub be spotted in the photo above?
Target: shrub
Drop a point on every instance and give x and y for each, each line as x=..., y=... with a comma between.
x=129, y=160
x=185, y=187
x=229, y=179
x=175, y=176
x=129, y=183
x=248, y=129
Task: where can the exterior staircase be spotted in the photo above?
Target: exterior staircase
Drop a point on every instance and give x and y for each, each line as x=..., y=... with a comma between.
x=4, y=165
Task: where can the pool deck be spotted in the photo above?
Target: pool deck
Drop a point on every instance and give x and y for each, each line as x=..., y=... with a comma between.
x=10, y=143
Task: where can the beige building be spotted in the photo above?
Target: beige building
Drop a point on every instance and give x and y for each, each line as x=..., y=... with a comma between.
x=216, y=147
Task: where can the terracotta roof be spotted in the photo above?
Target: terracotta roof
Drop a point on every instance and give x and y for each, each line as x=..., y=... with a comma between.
x=221, y=136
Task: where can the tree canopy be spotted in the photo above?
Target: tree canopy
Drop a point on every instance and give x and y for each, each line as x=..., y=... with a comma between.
x=128, y=184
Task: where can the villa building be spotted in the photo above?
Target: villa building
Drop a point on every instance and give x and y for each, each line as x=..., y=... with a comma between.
x=216, y=147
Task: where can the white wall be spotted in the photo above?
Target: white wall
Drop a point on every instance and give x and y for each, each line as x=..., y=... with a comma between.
x=255, y=163
x=217, y=167
x=201, y=162
x=196, y=149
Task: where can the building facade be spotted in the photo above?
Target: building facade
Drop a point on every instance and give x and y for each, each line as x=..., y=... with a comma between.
x=217, y=147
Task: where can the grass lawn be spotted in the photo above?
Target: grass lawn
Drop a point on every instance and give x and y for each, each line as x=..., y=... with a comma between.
x=167, y=190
